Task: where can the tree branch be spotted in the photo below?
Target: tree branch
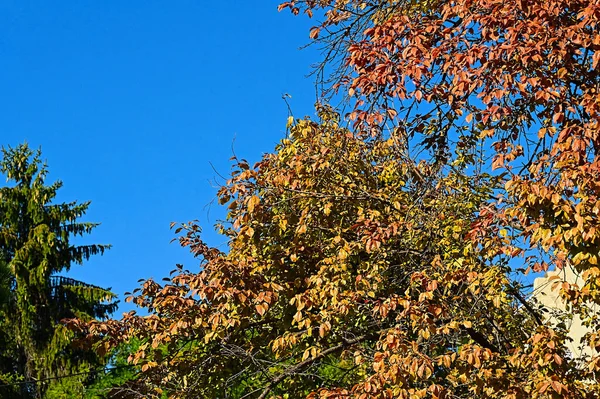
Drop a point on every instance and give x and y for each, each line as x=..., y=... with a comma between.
x=292, y=370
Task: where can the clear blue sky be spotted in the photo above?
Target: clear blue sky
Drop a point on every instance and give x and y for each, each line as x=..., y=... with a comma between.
x=132, y=100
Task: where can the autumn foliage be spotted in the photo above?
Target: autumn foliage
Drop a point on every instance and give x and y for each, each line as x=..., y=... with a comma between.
x=385, y=260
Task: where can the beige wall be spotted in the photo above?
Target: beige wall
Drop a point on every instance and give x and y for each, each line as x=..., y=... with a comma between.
x=546, y=292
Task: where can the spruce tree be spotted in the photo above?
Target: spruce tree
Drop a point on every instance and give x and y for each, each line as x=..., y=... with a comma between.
x=36, y=350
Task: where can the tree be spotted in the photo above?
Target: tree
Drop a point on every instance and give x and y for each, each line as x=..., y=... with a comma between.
x=386, y=250
x=518, y=77
x=119, y=380
x=35, y=245
x=344, y=255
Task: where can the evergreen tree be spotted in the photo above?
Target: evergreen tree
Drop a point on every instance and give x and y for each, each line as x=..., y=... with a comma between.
x=35, y=246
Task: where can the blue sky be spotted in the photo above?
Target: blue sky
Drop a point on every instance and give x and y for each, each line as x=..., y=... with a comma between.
x=132, y=101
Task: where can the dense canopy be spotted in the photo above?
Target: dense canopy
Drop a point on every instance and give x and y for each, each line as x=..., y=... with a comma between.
x=387, y=252
x=36, y=244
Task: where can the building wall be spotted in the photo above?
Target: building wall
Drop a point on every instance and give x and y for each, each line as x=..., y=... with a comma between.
x=546, y=291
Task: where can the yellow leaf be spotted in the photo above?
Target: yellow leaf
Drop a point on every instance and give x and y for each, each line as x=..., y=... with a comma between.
x=252, y=202
x=301, y=229
x=425, y=334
